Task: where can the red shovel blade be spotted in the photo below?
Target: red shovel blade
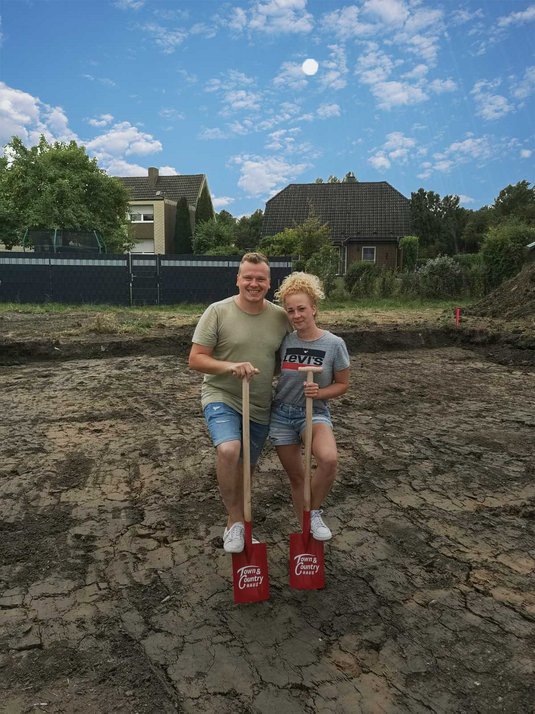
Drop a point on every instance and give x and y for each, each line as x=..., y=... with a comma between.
x=307, y=564
x=250, y=571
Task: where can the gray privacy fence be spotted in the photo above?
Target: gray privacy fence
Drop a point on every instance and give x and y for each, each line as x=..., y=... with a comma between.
x=123, y=279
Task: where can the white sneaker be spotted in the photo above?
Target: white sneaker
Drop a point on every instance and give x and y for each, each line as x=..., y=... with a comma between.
x=318, y=528
x=234, y=538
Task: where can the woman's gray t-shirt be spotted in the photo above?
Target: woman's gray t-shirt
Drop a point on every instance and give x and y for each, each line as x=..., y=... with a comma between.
x=328, y=352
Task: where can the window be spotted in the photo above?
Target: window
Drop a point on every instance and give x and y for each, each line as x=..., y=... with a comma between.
x=141, y=214
x=368, y=253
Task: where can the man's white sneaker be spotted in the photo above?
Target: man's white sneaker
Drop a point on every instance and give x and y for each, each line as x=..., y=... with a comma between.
x=234, y=538
x=318, y=528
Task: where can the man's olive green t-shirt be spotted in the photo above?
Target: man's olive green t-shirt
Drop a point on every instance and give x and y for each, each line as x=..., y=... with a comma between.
x=237, y=336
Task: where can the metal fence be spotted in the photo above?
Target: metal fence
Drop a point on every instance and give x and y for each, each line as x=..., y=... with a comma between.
x=123, y=279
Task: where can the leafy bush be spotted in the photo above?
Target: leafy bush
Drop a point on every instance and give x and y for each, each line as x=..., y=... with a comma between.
x=360, y=272
x=473, y=273
x=409, y=284
x=386, y=283
x=409, y=248
x=324, y=264
x=440, y=277
x=504, y=251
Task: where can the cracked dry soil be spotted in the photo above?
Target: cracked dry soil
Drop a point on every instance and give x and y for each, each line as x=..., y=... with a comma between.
x=116, y=595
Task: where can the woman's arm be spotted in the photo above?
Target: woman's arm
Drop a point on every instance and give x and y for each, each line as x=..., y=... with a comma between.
x=335, y=389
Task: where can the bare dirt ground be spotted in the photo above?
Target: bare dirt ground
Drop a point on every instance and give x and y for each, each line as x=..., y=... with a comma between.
x=115, y=593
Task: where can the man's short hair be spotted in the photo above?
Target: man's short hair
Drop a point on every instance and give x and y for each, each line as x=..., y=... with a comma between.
x=254, y=257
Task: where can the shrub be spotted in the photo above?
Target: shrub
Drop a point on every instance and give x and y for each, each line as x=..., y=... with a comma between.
x=409, y=248
x=504, y=251
x=409, y=284
x=473, y=273
x=385, y=284
x=324, y=264
x=356, y=271
x=440, y=277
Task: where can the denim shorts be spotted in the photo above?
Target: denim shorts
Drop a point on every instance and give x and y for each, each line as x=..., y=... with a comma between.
x=288, y=422
x=225, y=424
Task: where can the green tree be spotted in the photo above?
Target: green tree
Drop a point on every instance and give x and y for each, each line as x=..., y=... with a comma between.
x=475, y=229
x=248, y=230
x=425, y=217
x=284, y=243
x=350, y=178
x=226, y=217
x=333, y=179
x=516, y=200
x=204, y=210
x=58, y=186
x=213, y=238
x=182, y=242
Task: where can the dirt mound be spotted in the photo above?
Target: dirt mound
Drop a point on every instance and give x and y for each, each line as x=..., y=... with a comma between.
x=512, y=300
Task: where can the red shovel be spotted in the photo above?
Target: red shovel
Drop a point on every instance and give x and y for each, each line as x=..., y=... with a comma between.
x=249, y=568
x=307, y=566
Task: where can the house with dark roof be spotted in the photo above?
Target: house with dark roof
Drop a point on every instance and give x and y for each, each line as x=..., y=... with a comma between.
x=367, y=219
x=153, y=207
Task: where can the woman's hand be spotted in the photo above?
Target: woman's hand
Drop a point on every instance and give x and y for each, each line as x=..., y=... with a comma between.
x=311, y=390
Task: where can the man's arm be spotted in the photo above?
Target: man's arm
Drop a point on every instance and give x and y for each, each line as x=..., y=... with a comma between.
x=201, y=359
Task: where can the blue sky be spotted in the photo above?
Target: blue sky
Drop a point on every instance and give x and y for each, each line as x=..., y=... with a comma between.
x=418, y=93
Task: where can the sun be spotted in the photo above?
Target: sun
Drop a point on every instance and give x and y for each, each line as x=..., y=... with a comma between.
x=310, y=67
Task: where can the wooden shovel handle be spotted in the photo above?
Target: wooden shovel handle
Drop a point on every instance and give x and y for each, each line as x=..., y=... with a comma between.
x=246, y=448
x=308, y=436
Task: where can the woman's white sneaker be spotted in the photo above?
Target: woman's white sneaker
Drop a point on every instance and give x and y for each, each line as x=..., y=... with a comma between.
x=318, y=528
x=233, y=538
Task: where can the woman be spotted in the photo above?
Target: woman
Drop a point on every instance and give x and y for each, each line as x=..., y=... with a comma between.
x=299, y=294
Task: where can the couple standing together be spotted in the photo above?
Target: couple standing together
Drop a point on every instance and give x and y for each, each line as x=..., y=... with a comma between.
x=240, y=338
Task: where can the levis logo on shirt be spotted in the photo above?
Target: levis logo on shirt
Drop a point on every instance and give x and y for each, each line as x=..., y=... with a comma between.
x=296, y=357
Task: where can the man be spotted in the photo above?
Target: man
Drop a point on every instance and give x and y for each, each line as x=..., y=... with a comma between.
x=238, y=338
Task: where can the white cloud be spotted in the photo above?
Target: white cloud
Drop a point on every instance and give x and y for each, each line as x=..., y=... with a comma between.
x=237, y=100
x=334, y=70
x=119, y=167
x=525, y=153
x=129, y=4
x=518, y=18
x=101, y=120
x=391, y=12
x=396, y=148
x=263, y=175
x=345, y=23
x=291, y=75
x=123, y=139
x=326, y=111
x=171, y=114
x=439, y=86
x=273, y=17
x=106, y=81
x=526, y=86
x=220, y=202
x=490, y=106
x=374, y=66
x=394, y=94
x=26, y=117
x=379, y=161
x=168, y=171
x=465, y=199
x=166, y=40
x=214, y=133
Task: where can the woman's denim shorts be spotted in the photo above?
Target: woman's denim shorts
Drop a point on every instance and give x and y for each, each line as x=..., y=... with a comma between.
x=288, y=422
x=225, y=424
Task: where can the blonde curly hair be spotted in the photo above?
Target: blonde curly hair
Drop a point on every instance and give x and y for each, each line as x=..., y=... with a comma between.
x=299, y=282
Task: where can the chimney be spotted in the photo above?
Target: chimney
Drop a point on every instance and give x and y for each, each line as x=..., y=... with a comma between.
x=153, y=176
